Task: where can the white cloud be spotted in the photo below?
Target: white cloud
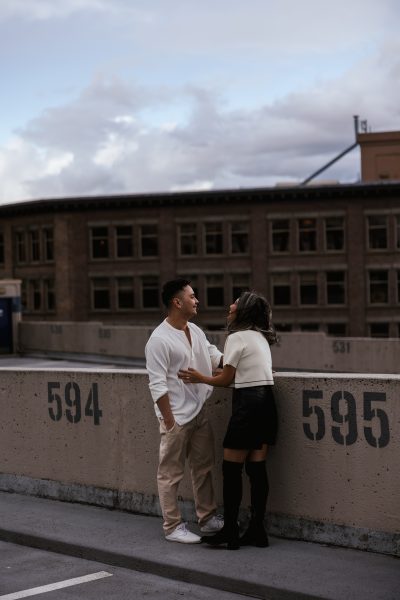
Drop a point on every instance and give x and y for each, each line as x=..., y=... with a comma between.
x=118, y=136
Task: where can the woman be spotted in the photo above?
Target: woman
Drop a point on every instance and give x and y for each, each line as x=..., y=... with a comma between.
x=253, y=424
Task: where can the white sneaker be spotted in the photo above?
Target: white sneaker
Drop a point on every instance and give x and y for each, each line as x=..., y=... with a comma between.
x=183, y=535
x=213, y=525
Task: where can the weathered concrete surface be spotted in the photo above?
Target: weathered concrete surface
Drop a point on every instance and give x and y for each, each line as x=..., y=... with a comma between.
x=297, y=350
x=92, y=435
x=287, y=570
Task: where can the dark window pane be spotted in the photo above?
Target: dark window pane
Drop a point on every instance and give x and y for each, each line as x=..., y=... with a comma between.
x=100, y=242
x=377, y=232
x=125, y=293
x=379, y=330
x=378, y=287
x=282, y=295
x=307, y=235
x=337, y=329
x=213, y=238
x=335, y=287
x=309, y=327
x=334, y=232
x=240, y=238
x=308, y=289
x=280, y=235
x=149, y=240
x=1, y=247
x=48, y=243
x=124, y=235
x=101, y=293
x=150, y=292
x=35, y=245
x=215, y=290
x=188, y=239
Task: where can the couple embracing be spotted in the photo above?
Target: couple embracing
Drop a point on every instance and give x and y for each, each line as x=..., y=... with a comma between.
x=181, y=365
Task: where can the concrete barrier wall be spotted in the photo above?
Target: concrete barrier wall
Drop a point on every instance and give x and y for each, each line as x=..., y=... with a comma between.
x=92, y=436
x=302, y=350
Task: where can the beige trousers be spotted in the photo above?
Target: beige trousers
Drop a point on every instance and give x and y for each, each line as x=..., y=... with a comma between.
x=193, y=442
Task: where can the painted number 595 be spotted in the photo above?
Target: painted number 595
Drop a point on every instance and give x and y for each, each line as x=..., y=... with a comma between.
x=343, y=412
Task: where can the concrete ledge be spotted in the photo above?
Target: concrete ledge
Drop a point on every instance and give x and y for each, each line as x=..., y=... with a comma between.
x=90, y=435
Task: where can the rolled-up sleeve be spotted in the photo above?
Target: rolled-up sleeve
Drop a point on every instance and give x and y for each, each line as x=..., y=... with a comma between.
x=215, y=355
x=157, y=362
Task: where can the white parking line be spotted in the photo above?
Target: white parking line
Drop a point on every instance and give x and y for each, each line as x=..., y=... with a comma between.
x=55, y=586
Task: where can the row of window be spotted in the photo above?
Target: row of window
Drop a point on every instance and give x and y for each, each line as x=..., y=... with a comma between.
x=287, y=235
x=331, y=287
x=309, y=288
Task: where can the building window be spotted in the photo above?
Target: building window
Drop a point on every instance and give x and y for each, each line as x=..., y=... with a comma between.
x=101, y=293
x=48, y=243
x=339, y=329
x=49, y=294
x=34, y=245
x=378, y=287
x=124, y=241
x=215, y=290
x=188, y=239
x=35, y=295
x=398, y=287
x=281, y=289
x=307, y=235
x=280, y=235
x=240, y=237
x=150, y=292
x=240, y=283
x=125, y=293
x=335, y=287
x=100, y=248
x=308, y=288
x=377, y=232
x=149, y=240
x=1, y=247
x=334, y=234
x=379, y=330
x=214, y=238
x=282, y=327
x=398, y=231
x=309, y=327
x=20, y=246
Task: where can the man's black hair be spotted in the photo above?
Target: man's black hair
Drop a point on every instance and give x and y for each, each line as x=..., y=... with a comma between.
x=171, y=288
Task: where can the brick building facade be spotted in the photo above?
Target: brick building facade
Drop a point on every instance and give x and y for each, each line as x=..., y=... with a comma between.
x=328, y=257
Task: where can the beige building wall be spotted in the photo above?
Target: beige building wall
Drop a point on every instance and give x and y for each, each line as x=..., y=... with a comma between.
x=92, y=436
x=380, y=156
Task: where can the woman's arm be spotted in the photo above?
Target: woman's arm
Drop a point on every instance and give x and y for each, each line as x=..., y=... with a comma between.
x=221, y=380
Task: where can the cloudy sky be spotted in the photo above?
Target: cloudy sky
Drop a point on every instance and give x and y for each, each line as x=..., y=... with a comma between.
x=110, y=96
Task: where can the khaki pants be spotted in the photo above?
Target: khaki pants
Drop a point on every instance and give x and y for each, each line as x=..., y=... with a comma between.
x=193, y=441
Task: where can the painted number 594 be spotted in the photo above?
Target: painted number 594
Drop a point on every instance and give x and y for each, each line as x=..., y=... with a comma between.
x=69, y=402
x=343, y=413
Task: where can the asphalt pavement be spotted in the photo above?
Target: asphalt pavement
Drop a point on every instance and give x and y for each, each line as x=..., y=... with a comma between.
x=286, y=570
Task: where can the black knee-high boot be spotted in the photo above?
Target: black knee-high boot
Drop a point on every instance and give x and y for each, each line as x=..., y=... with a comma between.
x=256, y=534
x=232, y=493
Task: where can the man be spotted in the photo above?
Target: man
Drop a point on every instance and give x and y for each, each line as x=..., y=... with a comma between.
x=185, y=431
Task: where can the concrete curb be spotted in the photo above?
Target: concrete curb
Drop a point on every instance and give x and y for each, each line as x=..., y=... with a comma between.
x=198, y=577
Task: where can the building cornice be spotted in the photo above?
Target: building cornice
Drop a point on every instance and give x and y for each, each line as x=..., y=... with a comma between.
x=197, y=198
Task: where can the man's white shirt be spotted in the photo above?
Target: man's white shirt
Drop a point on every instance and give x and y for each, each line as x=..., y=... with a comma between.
x=167, y=351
